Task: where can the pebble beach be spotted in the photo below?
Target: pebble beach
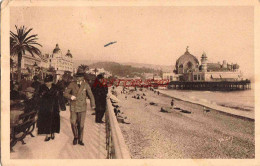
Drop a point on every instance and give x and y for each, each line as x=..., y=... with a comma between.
x=153, y=134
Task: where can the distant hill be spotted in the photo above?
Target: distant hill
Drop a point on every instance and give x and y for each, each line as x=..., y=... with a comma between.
x=164, y=68
x=85, y=62
x=124, y=70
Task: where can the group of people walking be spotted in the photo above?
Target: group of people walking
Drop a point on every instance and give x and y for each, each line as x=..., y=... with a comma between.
x=50, y=98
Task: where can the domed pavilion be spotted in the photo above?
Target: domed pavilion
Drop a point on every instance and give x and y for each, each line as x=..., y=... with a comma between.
x=186, y=63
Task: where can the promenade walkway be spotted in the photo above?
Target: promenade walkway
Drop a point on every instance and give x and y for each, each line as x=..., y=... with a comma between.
x=61, y=147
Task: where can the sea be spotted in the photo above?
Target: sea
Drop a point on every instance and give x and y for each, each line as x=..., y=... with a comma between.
x=239, y=100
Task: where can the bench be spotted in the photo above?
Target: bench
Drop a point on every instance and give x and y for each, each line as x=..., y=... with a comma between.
x=24, y=126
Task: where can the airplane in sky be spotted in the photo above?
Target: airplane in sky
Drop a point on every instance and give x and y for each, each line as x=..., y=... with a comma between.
x=110, y=43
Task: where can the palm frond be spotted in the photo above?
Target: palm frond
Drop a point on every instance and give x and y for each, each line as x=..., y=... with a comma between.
x=22, y=42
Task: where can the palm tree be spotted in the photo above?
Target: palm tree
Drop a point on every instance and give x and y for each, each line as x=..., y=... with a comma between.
x=22, y=42
x=96, y=70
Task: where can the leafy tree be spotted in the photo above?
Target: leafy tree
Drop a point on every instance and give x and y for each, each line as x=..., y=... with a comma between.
x=84, y=67
x=20, y=42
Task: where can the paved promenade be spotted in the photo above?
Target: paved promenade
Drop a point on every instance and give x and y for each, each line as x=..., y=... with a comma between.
x=61, y=147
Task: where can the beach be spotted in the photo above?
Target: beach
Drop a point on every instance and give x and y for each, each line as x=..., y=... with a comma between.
x=173, y=135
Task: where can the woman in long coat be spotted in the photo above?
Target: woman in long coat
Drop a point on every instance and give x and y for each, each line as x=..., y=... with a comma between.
x=49, y=111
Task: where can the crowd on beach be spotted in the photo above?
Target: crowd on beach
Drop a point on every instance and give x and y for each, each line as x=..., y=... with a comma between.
x=48, y=97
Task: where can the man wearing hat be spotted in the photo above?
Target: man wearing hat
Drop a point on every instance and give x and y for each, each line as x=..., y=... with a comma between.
x=100, y=90
x=77, y=92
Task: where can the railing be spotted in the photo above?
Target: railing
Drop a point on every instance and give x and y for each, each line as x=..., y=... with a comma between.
x=115, y=143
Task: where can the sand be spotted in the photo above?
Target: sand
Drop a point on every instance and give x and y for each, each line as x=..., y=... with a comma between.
x=157, y=135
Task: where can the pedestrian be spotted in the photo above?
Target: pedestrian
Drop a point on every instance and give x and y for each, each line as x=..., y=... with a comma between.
x=77, y=93
x=15, y=93
x=30, y=103
x=23, y=83
x=172, y=103
x=100, y=91
x=49, y=109
x=61, y=85
x=36, y=84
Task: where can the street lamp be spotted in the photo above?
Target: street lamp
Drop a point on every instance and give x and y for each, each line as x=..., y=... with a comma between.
x=35, y=66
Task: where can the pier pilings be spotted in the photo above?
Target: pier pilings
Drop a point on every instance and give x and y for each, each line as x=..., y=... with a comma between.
x=211, y=86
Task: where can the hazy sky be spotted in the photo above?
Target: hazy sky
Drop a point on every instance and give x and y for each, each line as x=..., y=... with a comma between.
x=154, y=35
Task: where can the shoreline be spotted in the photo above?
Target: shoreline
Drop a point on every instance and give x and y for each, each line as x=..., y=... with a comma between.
x=223, y=109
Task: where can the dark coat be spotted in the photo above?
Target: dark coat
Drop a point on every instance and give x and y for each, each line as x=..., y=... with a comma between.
x=100, y=94
x=61, y=85
x=49, y=110
x=36, y=85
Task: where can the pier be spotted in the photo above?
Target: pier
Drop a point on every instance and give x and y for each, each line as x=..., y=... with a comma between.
x=211, y=86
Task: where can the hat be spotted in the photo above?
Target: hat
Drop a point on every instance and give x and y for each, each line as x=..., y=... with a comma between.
x=30, y=89
x=80, y=73
x=48, y=78
x=100, y=76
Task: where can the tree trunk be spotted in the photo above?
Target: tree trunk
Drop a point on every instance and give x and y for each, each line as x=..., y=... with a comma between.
x=19, y=66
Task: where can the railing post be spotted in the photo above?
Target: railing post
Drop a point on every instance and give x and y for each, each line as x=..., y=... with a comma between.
x=115, y=144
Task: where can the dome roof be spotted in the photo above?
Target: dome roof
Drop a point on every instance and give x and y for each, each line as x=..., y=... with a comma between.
x=69, y=54
x=185, y=58
x=56, y=49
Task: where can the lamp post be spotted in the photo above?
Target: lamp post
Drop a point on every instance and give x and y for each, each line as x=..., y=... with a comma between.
x=34, y=68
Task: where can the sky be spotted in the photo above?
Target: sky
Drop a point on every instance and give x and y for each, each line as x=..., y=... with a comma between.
x=152, y=35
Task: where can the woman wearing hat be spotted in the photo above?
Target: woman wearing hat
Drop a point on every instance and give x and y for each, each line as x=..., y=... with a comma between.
x=49, y=116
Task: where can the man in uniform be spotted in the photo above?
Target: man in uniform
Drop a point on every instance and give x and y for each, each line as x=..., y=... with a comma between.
x=77, y=92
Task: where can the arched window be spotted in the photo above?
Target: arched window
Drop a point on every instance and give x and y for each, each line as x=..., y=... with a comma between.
x=189, y=65
x=181, y=66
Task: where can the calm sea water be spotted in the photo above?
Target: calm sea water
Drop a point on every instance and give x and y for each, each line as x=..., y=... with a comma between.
x=241, y=100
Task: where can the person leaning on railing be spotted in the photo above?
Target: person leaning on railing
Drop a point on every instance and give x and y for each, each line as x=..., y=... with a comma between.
x=100, y=91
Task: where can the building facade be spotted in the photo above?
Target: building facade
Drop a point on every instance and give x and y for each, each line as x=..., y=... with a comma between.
x=59, y=62
x=171, y=76
x=188, y=68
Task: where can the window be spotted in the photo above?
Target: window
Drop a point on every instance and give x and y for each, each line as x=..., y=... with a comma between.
x=171, y=78
x=189, y=65
x=195, y=77
x=198, y=77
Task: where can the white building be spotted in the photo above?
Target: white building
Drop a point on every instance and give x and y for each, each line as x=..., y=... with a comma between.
x=57, y=60
x=61, y=62
x=171, y=76
x=27, y=61
x=98, y=71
